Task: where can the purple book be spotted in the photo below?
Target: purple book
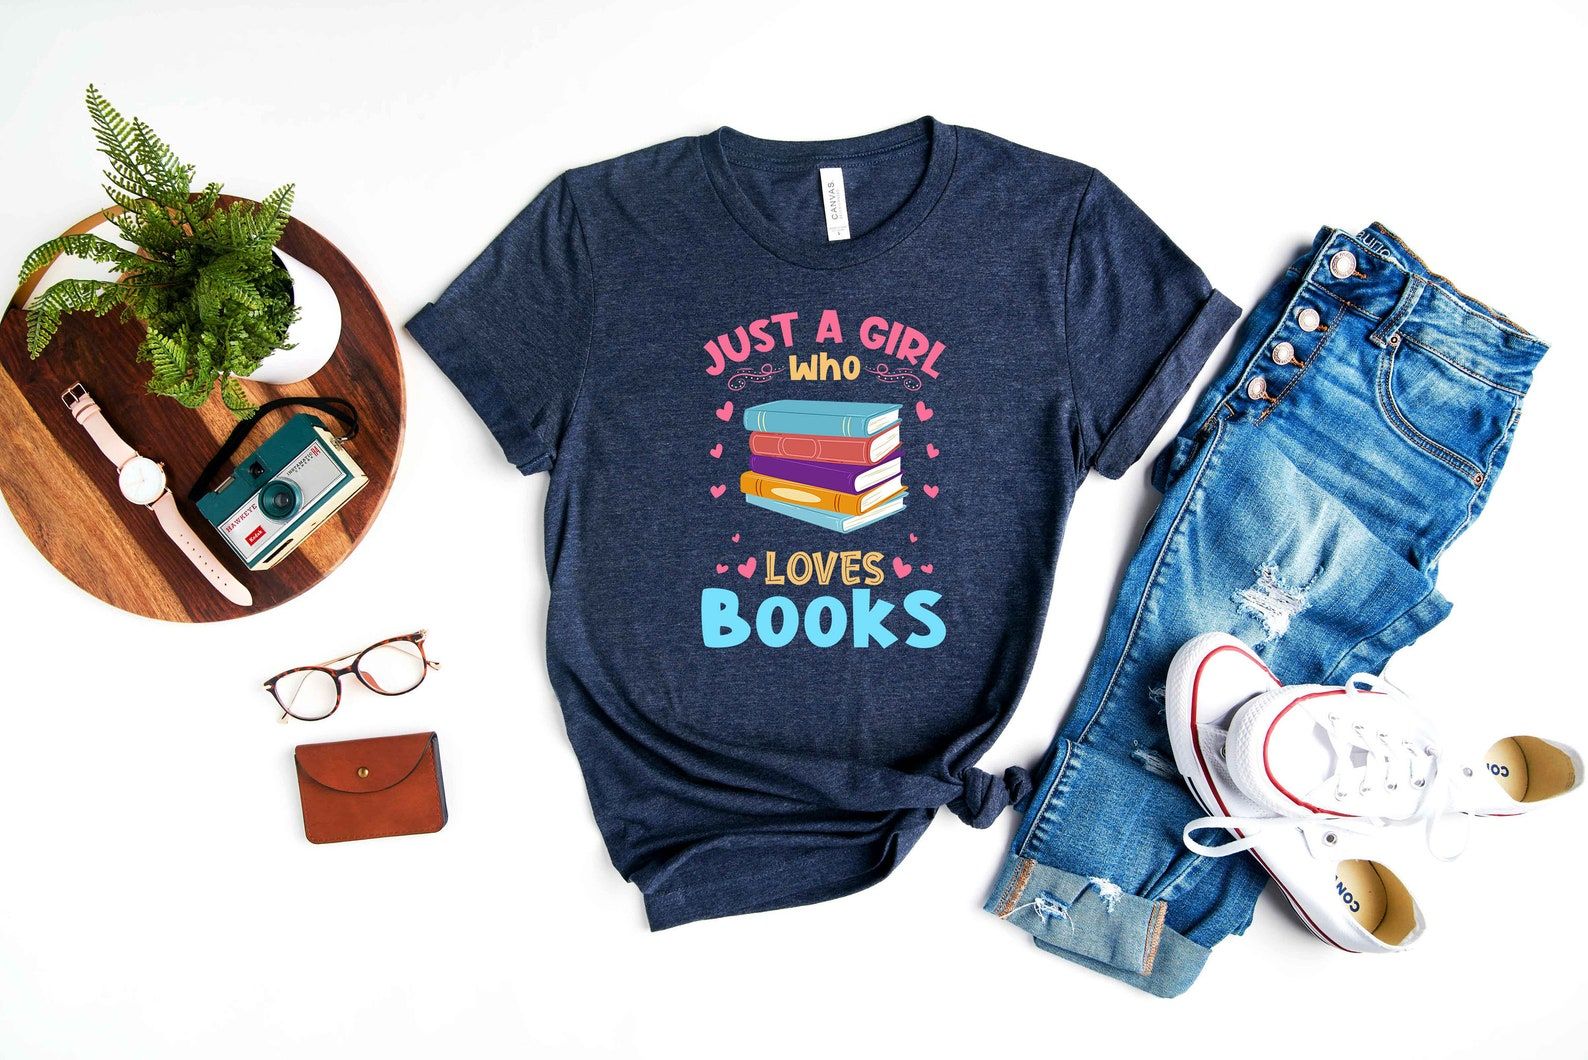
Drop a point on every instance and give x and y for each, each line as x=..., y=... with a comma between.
x=846, y=478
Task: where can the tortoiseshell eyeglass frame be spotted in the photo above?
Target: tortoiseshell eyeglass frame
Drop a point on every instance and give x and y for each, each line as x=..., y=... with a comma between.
x=352, y=659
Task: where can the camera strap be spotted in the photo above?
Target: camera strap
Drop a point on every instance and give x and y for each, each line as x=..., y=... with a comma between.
x=341, y=408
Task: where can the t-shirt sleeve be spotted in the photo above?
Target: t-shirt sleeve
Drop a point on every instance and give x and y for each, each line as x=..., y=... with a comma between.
x=512, y=332
x=1140, y=320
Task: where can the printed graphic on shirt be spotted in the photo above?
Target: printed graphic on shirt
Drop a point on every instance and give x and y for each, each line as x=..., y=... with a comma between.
x=838, y=468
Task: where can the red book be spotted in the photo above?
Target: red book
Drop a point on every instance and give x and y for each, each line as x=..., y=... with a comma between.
x=827, y=449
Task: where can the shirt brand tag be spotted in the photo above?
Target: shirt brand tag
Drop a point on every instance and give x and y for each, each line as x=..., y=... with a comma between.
x=834, y=208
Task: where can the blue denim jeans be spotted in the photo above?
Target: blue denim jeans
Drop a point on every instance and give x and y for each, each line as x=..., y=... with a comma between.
x=1306, y=504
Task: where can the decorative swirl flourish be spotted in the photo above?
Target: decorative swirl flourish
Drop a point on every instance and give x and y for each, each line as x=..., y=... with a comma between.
x=738, y=380
x=908, y=379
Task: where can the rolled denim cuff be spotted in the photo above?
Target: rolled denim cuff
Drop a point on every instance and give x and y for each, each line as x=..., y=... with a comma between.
x=1093, y=922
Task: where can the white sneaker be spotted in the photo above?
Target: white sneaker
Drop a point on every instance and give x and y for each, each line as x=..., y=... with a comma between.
x=1362, y=750
x=1320, y=861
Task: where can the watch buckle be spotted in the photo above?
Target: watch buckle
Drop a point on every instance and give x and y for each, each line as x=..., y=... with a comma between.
x=74, y=393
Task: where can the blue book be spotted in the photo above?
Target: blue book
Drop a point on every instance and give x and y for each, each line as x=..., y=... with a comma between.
x=831, y=520
x=836, y=419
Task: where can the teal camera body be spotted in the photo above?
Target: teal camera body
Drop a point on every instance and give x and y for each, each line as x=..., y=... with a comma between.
x=282, y=492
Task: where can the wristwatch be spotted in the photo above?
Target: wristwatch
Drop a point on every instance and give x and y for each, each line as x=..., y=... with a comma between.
x=143, y=482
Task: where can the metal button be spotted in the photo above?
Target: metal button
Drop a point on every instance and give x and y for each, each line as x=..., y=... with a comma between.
x=1343, y=265
x=1308, y=319
x=1257, y=389
x=1283, y=353
x=363, y=771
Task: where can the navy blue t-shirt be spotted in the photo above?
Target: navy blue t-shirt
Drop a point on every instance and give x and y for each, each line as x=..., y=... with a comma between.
x=814, y=415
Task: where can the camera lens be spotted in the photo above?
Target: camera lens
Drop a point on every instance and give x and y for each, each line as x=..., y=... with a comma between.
x=279, y=499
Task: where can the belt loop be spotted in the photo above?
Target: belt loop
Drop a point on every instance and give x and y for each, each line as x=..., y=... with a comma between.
x=1391, y=325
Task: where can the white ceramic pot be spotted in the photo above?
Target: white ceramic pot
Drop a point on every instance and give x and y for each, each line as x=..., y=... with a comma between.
x=313, y=336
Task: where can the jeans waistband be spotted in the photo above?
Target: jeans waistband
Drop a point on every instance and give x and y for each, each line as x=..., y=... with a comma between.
x=1393, y=286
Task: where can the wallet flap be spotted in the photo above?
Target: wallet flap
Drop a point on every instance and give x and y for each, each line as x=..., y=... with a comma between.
x=363, y=766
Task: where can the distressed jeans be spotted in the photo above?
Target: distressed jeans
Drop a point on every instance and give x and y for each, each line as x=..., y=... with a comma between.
x=1357, y=432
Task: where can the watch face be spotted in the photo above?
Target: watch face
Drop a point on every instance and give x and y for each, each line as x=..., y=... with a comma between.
x=142, y=480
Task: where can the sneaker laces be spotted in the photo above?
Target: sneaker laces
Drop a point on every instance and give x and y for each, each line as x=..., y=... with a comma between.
x=1401, y=760
x=1253, y=829
x=1391, y=758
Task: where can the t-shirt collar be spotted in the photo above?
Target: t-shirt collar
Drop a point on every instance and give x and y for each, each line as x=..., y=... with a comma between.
x=716, y=148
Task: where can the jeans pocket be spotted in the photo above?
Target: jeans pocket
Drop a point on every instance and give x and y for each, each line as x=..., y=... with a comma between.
x=1444, y=411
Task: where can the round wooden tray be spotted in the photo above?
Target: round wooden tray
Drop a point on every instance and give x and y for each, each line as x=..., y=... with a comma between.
x=63, y=491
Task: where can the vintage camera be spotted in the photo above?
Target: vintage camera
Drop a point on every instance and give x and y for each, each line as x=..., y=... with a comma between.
x=278, y=495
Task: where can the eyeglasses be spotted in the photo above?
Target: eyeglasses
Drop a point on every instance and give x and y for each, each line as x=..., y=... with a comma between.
x=390, y=667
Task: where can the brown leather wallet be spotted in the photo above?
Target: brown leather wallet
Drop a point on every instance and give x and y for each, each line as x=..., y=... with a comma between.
x=365, y=789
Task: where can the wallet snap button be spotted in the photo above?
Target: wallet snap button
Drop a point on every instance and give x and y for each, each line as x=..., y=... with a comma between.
x=363, y=771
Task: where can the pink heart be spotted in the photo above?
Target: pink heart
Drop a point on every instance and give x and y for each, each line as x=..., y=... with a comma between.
x=922, y=413
x=930, y=491
x=913, y=539
x=901, y=568
x=722, y=568
x=747, y=568
x=717, y=491
x=926, y=568
x=716, y=451
x=726, y=412
x=931, y=451
x=736, y=539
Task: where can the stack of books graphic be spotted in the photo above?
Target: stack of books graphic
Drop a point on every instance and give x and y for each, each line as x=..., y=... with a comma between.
x=833, y=463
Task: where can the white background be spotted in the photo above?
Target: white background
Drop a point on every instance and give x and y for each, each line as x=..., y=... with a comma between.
x=157, y=898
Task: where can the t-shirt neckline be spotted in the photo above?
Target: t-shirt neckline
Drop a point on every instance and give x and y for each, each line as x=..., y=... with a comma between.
x=817, y=253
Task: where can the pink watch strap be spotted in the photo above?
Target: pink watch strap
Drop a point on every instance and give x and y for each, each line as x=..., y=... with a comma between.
x=177, y=530
x=85, y=410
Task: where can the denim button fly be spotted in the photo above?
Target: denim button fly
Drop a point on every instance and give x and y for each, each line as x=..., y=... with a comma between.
x=1343, y=265
x=1307, y=318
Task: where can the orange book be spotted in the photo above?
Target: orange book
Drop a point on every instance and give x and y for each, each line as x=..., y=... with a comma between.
x=778, y=489
x=833, y=450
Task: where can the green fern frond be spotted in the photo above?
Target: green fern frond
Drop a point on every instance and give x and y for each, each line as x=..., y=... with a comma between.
x=67, y=296
x=171, y=181
x=204, y=204
x=85, y=245
x=167, y=355
x=117, y=143
x=274, y=211
x=236, y=398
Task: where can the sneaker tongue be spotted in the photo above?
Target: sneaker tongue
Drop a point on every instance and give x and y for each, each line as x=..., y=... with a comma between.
x=1300, y=755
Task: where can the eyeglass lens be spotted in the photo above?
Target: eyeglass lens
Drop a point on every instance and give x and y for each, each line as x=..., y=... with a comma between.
x=392, y=668
x=307, y=694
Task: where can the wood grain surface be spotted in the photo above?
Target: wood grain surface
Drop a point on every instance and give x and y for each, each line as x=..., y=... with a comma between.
x=63, y=491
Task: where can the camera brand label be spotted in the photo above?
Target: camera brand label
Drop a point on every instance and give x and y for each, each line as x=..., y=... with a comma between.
x=314, y=471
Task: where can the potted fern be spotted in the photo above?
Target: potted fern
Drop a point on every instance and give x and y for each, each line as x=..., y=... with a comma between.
x=218, y=299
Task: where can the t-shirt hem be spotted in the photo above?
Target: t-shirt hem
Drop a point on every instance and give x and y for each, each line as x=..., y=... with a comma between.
x=806, y=880
x=1175, y=373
